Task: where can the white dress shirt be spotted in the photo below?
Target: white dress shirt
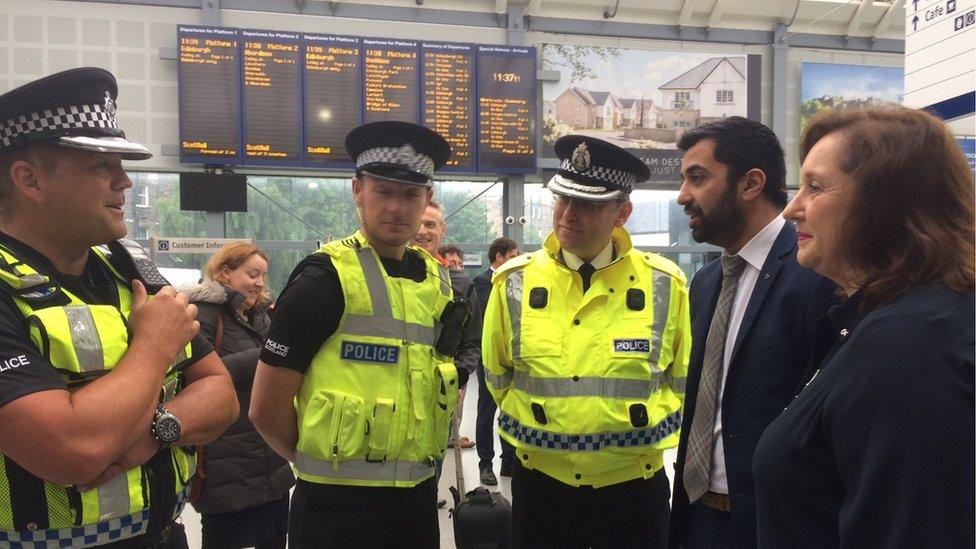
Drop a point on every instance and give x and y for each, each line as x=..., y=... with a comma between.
x=601, y=260
x=754, y=252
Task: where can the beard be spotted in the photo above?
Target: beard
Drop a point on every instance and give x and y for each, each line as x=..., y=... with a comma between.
x=723, y=225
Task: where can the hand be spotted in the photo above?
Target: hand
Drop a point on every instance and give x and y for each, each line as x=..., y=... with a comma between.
x=140, y=452
x=165, y=323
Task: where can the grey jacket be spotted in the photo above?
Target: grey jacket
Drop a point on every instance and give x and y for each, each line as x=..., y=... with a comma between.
x=240, y=470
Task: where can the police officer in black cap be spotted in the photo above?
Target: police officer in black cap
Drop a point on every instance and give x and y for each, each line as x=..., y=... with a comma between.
x=104, y=393
x=357, y=337
x=585, y=350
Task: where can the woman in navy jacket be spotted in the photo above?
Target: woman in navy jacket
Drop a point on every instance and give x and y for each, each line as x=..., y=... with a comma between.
x=877, y=450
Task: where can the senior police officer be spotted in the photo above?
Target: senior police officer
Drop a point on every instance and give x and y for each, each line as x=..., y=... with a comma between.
x=585, y=349
x=353, y=336
x=100, y=406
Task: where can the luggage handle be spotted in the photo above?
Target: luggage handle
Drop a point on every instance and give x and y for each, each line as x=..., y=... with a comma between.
x=458, y=492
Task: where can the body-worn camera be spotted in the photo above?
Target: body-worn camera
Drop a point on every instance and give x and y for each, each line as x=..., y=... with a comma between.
x=454, y=323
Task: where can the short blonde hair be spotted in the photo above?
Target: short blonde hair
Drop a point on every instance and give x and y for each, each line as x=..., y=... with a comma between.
x=234, y=255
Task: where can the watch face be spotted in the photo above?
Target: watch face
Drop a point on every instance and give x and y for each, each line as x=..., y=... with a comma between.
x=168, y=428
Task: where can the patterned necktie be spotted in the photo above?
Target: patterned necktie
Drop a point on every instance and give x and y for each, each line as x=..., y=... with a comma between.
x=698, y=460
x=586, y=271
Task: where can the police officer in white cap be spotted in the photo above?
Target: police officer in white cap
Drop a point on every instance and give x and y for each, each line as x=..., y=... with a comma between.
x=585, y=349
x=104, y=393
x=357, y=336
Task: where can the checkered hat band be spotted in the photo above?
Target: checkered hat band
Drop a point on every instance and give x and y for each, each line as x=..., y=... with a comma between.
x=53, y=121
x=413, y=160
x=617, y=178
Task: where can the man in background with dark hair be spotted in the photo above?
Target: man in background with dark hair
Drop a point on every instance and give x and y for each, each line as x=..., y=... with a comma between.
x=501, y=250
x=453, y=255
x=753, y=315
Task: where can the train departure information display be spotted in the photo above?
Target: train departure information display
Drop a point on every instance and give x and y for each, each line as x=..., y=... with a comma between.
x=448, y=98
x=210, y=95
x=256, y=97
x=391, y=80
x=506, y=109
x=333, y=96
x=272, y=98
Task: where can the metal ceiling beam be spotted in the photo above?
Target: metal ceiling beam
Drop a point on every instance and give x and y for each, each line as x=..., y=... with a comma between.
x=686, y=10
x=532, y=8
x=543, y=24
x=855, y=22
x=882, y=27
x=718, y=11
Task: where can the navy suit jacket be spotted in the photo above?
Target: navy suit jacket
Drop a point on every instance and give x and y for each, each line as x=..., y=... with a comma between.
x=771, y=352
x=482, y=285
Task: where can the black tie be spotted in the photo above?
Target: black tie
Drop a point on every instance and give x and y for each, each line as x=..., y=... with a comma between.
x=586, y=272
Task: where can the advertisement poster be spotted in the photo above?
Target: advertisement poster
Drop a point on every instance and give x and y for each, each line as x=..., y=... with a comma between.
x=640, y=100
x=830, y=86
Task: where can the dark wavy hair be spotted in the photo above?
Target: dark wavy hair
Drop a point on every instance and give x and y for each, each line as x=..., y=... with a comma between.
x=742, y=144
x=912, y=208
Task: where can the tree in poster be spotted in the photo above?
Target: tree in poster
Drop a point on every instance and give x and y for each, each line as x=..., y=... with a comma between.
x=573, y=57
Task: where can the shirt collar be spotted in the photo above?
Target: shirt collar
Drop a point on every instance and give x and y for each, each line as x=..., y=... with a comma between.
x=619, y=246
x=757, y=249
x=601, y=260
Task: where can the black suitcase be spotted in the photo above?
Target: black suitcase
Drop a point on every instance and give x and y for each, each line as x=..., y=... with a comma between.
x=482, y=519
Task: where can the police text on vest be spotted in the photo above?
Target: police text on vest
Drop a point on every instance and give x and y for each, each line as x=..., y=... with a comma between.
x=370, y=352
x=631, y=346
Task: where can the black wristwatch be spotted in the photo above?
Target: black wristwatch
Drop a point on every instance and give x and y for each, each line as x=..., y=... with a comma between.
x=166, y=427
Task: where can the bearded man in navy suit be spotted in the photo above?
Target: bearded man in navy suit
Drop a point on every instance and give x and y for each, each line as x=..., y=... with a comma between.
x=752, y=334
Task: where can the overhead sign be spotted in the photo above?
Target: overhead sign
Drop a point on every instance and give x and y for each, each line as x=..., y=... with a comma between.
x=163, y=245
x=940, y=56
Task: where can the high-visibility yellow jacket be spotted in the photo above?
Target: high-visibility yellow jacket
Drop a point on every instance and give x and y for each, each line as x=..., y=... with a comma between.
x=375, y=404
x=590, y=386
x=83, y=342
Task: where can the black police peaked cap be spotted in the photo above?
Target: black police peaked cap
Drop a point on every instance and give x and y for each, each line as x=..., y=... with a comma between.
x=594, y=169
x=74, y=108
x=398, y=151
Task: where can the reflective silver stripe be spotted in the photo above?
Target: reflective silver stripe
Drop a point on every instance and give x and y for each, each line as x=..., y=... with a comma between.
x=499, y=382
x=169, y=389
x=676, y=383
x=84, y=338
x=606, y=387
x=513, y=292
x=365, y=325
x=31, y=280
x=662, y=305
x=445, y=277
x=378, y=295
x=113, y=498
x=589, y=442
x=387, y=471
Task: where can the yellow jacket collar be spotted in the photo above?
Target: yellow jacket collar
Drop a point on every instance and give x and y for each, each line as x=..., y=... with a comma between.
x=621, y=243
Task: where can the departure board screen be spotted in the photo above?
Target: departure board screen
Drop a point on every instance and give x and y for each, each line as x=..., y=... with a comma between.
x=269, y=98
x=449, y=99
x=210, y=95
x=506, y=109
x=391, y=80
x=333, y=97
x=272, y=98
